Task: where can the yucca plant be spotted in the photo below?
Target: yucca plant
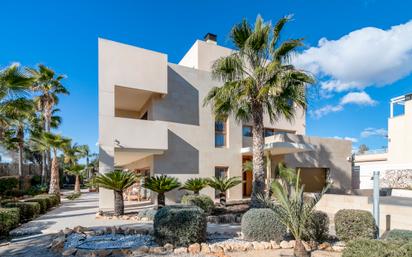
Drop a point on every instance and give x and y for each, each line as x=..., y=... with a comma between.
x=161, y=185
x=76, y=170
x=292, y=208
x=222, y=184
x=195, y=185
x=118, y=181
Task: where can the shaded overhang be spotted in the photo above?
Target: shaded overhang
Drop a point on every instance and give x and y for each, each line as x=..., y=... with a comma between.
x=124, y=156
x=280, y=148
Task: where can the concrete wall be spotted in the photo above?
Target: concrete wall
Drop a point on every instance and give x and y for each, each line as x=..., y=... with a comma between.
x=400, y=136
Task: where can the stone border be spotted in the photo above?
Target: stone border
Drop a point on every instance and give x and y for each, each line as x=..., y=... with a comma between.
x=134, y=217
x=218, y=248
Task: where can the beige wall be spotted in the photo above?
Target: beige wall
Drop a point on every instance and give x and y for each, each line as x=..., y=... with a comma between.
x=400, y=136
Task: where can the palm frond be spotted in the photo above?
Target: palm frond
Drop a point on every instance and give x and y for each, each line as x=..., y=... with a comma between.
x=116, y=180
x=161, y=184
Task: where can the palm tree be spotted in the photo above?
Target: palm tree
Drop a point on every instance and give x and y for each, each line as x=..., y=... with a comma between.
x=117, y=181
x=292, y=208
x=161, y=185
x=77, y=171
x=72, y=154
x=14, y=83
x=258, y=78
x=222, y=184
x=55, y=142
x=195, y=185
x=84, y=151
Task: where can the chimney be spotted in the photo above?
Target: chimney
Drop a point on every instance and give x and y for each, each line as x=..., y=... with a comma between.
x=211, y=38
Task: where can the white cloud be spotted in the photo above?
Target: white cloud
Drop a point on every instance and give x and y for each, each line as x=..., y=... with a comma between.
x=358, y=98
x=368, y=132
x=354, y=140
x=365, y=57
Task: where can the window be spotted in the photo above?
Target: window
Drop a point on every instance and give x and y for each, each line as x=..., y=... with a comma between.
x=247, y=131
x=220, y=172
x=269, y=132
x=220, y=133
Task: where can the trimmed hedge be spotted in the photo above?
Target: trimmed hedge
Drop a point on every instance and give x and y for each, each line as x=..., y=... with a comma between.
x=317, y=227
x=180, y=225
x=7, y=184
x=28, y=210
x=46, y=201
x=147, y=213
x=41, y=201
x=376, y=248
x=54, y=200
x=399, y=234
x=9, y=219
x=262, y=225
x=354, y=224
x=202, y=201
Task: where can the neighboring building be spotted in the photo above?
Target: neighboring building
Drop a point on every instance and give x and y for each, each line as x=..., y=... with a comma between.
x=152, y=121
x=395, y=162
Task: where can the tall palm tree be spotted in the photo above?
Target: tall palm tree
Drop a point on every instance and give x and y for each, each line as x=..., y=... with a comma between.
x=85, y=153
x=195, y=185
x=118, y=181
x=222, y=184
x=72, y=154
x=14, y=83
x=76, y=170
x=55, y=143
x=258, y=78
x=161, y=185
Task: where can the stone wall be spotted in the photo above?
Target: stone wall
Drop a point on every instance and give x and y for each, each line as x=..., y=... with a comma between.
x=12, y=169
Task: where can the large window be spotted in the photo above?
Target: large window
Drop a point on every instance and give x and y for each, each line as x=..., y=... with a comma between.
x=220, y=172
x=247, y=131
x=220, y=134
x=269, y=132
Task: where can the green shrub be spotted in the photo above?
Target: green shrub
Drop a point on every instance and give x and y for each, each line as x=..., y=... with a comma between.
x=9, y=219
x=147, y=213
x=35, y=180
x=3, y=202
x=7, y=184
x=14, y=193
x=399, y=234
x=28, y=210
x=408, y=248
x=52, y=200
x=354, y=224
x=262, y=225
x=42, y=202
x=180, y=225
x=375, y=248
x=37, y=189
x=202, y=201
x=317, y=227
x=73, y=196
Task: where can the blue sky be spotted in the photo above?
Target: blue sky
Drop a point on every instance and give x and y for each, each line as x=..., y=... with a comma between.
x=63, y=35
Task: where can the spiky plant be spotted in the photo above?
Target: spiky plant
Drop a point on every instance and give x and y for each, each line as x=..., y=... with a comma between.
x=222, y=184
x=118, y=181
x=76, y=170
x=292, y=208
x=161, y=185
x=258, y=78
x=194, y=185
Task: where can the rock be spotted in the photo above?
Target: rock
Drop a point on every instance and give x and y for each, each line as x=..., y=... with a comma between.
x=168, y=247
x=58, y=243
x=216, y=249
x=338, y=246
x=90, y=233
x=292, y=243
x=60, y=233
x=308, y=248
x=194, y=248
x=274, y=244
x=141, y=249
x=102, y=253
x=143, y=231
x=204, y=248
x=324, y=246
x=285, y=245
x=180, y=250
x=69, y=251
x=267, y=245
x=227, y=247
x=144, y=219
x=247, y=246
x=100, y=232
x=157, y=250
x=67, y=231
x=85, y=253
x=80, y=229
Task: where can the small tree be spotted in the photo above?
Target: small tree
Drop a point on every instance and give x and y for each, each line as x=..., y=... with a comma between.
x=161, y=185
x=222, y=185
x=118, y=181
x=195, y=185
x=77, y=171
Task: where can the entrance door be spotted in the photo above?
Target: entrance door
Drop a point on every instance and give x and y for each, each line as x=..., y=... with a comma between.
x=247, y=178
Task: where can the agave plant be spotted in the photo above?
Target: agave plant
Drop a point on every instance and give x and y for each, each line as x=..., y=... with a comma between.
x=292, y=208
x=117, y=181
x=76, y=170
x=222, y=184
x=161, y=185
x=195, y=185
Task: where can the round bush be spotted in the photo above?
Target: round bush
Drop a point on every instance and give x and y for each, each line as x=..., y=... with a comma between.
x=375, y=248
x=354, y=224
x=52, y=200
x=317, y=227
x=9, y=219
x=180, y=225
x=147, y=213
x=399, y=234
x=202, y=201
x=41, y=201
x=262, y=225
x=28, y=210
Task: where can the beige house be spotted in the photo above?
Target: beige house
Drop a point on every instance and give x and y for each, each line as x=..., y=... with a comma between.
x=152, y=121
x=395, y=162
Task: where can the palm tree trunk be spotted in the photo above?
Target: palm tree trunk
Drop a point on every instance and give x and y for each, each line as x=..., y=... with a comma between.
x=43, y=168
x=299, y=249
x=20, y=136
x=222, y=197
x=258, y=155
x=54, y=178
x=77, y=184
x=47, y=120
x=118, y=203
x=161, y=200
